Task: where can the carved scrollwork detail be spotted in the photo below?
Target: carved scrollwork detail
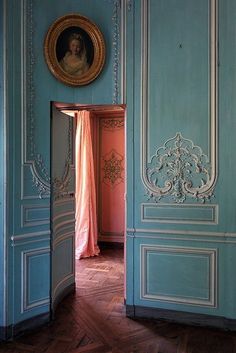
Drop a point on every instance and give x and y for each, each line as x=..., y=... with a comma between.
x=179, y=169
x=116, y=49
x=113, y=168
x=112, y=124
x=129, y=5
x=39, y=169
x=60, y=185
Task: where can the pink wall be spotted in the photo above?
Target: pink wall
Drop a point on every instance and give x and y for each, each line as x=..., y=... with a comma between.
x=111, y=183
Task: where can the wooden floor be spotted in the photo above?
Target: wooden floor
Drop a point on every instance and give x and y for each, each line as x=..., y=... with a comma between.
x=93, y=321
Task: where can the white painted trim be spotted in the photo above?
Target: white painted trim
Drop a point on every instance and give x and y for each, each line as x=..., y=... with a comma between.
x=186, y=239
x=166, y=220
x=123, y=51
x=212, y=253
x=65, y=214
x=25, y=255
x=32, y=223
x=187, y=232
x=18, y=238
x=27, y=242
x=206, y=189
x=62, y=238
x=24, y=161
x=23, y=95
x=188, y=236
x=59, y=284
x=65, y=224
x=69, y=276
x=63, y=201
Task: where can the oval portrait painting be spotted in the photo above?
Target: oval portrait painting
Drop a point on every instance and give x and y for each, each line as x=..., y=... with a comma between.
x=74, y=50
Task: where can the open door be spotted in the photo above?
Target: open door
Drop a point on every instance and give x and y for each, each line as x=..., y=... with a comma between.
x=62, y=206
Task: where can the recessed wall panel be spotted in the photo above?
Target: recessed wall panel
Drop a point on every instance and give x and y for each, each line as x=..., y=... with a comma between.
x=35, y=284
x=178, y=71
x=179, y=275
x=179, y=213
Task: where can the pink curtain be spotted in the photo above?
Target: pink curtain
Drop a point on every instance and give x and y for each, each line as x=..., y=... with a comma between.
x=86, y=230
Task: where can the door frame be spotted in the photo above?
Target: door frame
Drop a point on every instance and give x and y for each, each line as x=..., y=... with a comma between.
x=69, y=109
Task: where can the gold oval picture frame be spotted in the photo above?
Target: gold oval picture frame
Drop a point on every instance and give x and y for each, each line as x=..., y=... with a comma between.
x=74, y=50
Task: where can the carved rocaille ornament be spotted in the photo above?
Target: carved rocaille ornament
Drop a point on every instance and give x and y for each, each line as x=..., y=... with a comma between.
x=179, y=169
x=112, y=124
x=34, y=158
x=113, y=168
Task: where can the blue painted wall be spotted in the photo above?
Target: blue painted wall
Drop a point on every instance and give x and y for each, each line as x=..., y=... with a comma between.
x=30, y=89
x=2, y=162
x=173, y=232
x=167, y=84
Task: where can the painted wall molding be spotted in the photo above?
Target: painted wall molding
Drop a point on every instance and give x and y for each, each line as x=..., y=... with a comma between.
x=182, y=235
x=112, y=124
x=175, y=231
x=62, y=238
x=180, y=213
x=20, y=239
x=129, y=5
x=30, y=155
x=179, y=187
x=113, y=168
x=34, y=215
x=177, y=252
x=26, y=256
x=116, y=50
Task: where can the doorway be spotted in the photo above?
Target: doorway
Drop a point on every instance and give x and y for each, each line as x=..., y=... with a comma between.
x=108, y=140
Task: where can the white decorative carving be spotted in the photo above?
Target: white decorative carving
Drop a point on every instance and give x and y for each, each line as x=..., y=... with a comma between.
x=39, y=170
x=129, y=5
x=40, y=174
x=116, y=49
x=203, y=181
x=178, y=169
x=60, y=185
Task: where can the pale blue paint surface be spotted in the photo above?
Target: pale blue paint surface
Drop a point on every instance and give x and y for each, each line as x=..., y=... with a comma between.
x=178, y=89
x=226, y=258
x=62, y=205
x=2, y=170
x=42, y=88
x=37, y=278
x=185, y=111
x=177, y=274
x=39, y=281
x=179, y=101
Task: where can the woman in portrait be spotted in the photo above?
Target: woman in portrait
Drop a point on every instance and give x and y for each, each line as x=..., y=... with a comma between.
x=75, y=61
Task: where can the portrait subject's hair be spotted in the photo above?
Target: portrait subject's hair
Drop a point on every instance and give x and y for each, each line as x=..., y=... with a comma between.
x=79, y=37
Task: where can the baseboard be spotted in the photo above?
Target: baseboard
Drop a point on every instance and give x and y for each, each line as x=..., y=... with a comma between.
x=110, y=245
x=5, y=333
x=181, y=317
x=10, y=332
x=13, y=331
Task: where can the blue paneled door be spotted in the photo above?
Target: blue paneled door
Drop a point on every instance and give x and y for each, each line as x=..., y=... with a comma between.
x=62, y=206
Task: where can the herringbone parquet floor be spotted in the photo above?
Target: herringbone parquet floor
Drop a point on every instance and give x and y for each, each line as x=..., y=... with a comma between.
x=93, y=321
